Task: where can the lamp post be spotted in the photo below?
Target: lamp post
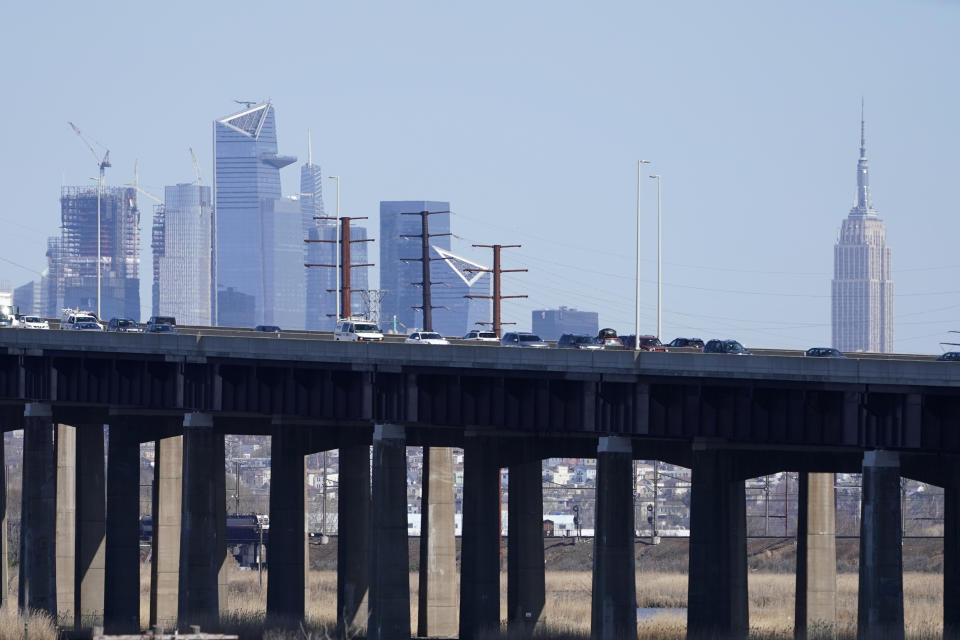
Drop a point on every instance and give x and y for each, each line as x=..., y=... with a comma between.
x=636, y=326
x=99, y=180
x=656, y=177
x=336, y=248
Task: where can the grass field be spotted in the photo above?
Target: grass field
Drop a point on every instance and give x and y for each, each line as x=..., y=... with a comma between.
x=567, y=610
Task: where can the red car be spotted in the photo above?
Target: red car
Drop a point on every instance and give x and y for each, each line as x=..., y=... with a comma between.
x=650, y=343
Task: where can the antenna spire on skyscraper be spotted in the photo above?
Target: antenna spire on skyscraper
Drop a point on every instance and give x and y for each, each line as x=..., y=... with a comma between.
x=863, y=137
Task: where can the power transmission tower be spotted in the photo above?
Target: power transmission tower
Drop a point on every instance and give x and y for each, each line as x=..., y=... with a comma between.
x=424, y=258
x=345, y=264
x=371, y=303
x=497, y=296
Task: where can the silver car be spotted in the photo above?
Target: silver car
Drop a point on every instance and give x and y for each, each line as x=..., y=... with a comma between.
x=523, y=339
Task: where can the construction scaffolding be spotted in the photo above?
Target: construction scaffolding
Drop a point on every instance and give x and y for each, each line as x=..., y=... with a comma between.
x=119, y=239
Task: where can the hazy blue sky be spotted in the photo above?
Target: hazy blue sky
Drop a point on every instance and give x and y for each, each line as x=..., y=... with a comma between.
x=529, y=117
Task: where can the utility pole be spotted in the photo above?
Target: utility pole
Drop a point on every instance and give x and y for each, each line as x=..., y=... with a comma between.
x=425, y=259
x=655, y=538
x=237, y=508
x=343, y=265
x=496, y=271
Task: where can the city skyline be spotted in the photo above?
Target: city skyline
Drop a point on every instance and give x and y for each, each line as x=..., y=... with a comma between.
x=749, y=125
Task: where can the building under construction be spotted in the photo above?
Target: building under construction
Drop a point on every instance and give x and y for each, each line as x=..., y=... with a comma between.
x=119, y=250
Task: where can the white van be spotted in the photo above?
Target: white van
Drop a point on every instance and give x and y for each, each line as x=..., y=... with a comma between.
x=357, y=330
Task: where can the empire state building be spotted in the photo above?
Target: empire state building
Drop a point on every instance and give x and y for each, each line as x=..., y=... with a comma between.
x=862, y=287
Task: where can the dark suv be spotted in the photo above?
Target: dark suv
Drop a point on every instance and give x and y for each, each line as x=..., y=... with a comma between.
x=577, y=341
x=725, y=346
x=124, y=325
x=695, y=343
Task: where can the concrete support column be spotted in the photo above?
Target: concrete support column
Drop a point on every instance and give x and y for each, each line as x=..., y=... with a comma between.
x=353, y=538
x=816, y=593
x=389, y=617
x=65, y=444
x=717, y=584
x=880, y=601
x=951, y=561
x=91, y=527
x=165, y=545
x=614, y=608
x=203, y=548
x=4, y=571
x=288, y=539
x=437, y=603
x=38, y=589
x=480, y=541
x=121, y=606
x=526, y=586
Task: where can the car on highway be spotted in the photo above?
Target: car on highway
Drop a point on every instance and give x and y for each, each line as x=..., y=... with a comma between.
x=87, y=325
x=696, y=343
x=426, y=337
x=478, y=335
x=71, y=318
x=34, y=322
x=124, y=325
x=523, y=339
x=651, y=343
x=267, y=328
x=357, y=330
x=578, y=341
x=160, y=320
x=949, y=355
x=161, y=328
x=725, y=346
x=823, y=352
x=611, y=343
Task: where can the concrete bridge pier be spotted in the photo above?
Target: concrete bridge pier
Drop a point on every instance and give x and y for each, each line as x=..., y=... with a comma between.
x=614, y=607
x=437, y=597
x=353, y=538
x=37, y=582
x=203, y=549
x=4, y=571
x=165, y=543
x=526, y=586
x=121, y=605
x=951, y=559
x=816, y=592
x=65, y=444
x=480, y=540
x=880, y=601
x=288, y=550
x=717, y=584
x=389, y=617
x=91, y=527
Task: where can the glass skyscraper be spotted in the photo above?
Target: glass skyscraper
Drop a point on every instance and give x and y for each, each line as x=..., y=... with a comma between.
x=320, y=283
x=396, y=276
x=246, y=186
x=181, y=245
x=285, y=275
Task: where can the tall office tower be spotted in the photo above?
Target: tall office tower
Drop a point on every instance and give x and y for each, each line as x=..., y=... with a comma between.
x=396, y=276
x=862, y=285
x=119, y=250
x=246, y=186
x=455, y=280
x=26, y=298
x=284, y=279
x=51, y=282
x=321, y=303
x=550, y=324
x=181, y=252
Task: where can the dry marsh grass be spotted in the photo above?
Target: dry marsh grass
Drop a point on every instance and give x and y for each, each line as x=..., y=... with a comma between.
x=566, y=614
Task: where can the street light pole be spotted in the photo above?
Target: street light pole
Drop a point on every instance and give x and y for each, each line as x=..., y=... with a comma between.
x=636, y=332
x=99, y=234
x=656, y=177
x=336, y=249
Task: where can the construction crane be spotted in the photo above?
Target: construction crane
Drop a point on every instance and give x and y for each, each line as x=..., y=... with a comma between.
x=196, y=166
x=102, y=164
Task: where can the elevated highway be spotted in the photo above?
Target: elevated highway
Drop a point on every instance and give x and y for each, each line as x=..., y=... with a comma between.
x=727, y=417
